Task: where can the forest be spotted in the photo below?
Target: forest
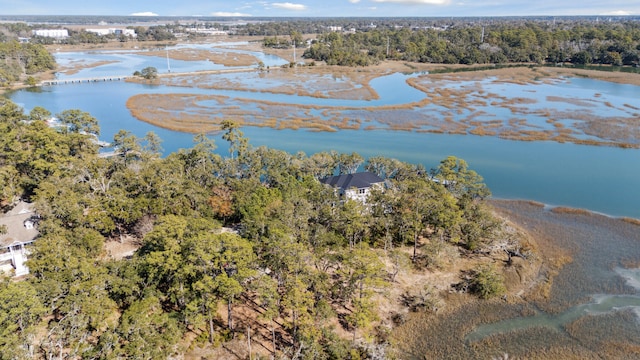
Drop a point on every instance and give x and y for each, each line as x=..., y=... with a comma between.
x=23, y=61
x=577, y=43
x=226, y=245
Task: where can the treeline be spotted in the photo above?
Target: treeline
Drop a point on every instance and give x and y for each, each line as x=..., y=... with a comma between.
x=532, y=42
x=20, y=60
x=302, y=260
x=12, y=31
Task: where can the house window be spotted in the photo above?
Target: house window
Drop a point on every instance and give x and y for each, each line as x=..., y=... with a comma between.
x=362, y=191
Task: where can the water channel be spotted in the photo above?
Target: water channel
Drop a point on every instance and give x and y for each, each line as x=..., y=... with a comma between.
x=601, y=179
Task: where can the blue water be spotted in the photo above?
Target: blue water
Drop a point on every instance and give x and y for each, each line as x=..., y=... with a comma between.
x=602, y=179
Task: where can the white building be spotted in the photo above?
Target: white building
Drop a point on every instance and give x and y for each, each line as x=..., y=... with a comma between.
x=108, y=31
x=205, y=31
x=52, y=33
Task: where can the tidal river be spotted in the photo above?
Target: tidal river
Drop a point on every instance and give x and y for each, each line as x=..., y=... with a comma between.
x=603, y=179
x=598, y=178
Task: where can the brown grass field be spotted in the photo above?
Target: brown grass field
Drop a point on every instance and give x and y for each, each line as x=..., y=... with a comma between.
x=445, y=108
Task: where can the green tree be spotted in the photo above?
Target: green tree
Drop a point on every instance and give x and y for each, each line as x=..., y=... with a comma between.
x=463, y=182
x=149, y=73
x=20, y=312
x=238, y=143
x=39, y=113
x=363, y=272
x=146, y=331
x=487, y=283
x=79, y=121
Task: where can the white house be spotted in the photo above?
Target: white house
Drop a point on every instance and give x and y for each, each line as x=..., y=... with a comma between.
x=21, y=231
x=355, y=186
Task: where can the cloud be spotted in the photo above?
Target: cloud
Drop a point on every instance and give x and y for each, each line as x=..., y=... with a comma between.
x=145, y=13
x=414, y=2
x=618, y=13
x=289, y=6
x=222, y=13
x=354, y=1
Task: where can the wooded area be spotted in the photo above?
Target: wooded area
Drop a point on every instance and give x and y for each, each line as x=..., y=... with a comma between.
x=20, y=60
x=306, y=265
x=493, y=42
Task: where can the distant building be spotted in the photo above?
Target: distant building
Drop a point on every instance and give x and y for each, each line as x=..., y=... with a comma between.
x=52, y=33
x=335, y=28
x=355, y=186
x=206, y=31
x=114, y=31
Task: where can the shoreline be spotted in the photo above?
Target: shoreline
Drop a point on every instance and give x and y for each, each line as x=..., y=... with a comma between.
x=565, y=209
x=582, y=255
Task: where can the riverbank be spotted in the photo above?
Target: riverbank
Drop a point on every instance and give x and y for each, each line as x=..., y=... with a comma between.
x=586, y=248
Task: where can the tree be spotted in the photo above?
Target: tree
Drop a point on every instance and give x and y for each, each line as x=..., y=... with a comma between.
x=231, y=259
x=363, y=272
x=462, y=182
x=238, y=144
x=146, y=331
x=152, y=144
x=39, y=113
x=20, y=311
x=349, y=163
x=487, y=283
x=79, y=121
x=582, y=58
x=221, y=201
x=149, y=73
x=127, y=144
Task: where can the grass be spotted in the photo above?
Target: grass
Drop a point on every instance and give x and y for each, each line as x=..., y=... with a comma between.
x=445, y=109
x=571, y=211
x=631, y=221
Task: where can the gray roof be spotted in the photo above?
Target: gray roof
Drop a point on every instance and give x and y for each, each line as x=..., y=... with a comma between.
x=358, y=180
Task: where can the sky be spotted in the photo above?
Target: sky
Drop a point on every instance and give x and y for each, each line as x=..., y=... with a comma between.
x=322, y=8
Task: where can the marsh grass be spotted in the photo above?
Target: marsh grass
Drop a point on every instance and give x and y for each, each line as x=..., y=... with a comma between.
x=631, y=221
x=75, y=66
x=572, y=101
x=445, y=108
x=224, y=57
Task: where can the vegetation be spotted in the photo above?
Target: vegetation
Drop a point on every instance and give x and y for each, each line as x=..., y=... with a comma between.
x=302, y=258
x=493, y=43
x=20, y=60
x=148, y=73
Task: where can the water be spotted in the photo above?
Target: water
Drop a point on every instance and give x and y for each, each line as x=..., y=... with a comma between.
x=601, y=304
x=601, y=179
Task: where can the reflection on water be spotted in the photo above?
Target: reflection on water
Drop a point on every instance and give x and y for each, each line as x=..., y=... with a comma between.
x=601, y=304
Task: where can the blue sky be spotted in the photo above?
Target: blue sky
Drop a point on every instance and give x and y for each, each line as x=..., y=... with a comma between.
x=322, y=8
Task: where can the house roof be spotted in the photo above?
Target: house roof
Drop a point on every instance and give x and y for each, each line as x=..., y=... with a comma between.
x=16, y=230
x=358, y=180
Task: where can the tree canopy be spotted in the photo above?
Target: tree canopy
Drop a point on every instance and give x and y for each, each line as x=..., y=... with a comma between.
x=299, y=258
